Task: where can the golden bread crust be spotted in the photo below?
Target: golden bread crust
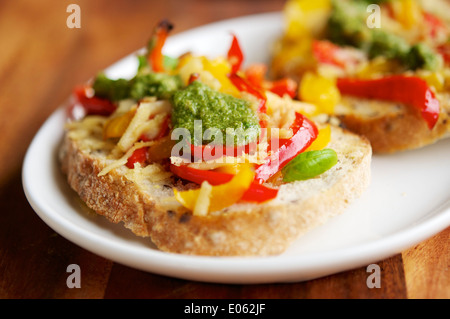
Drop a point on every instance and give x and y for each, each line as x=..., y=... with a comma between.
x=396, y=128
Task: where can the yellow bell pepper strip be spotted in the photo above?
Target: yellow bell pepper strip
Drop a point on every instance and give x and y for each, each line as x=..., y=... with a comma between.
x=219, y=68
x=322, y=140
x=220, y=196
x=256, y=193
x=410, y=90
x=406, y=12
x=231, y=168
x=116, y=126
x=320, y=91
x=155, y=56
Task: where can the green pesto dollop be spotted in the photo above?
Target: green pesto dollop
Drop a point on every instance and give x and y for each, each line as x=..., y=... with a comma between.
x=347, y=25
x=218, y=112
x=160, y=85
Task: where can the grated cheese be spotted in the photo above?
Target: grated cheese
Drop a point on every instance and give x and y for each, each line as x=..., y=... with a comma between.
x=203, y=200
x=141, y=123
x=124, y=159
x=152, y=172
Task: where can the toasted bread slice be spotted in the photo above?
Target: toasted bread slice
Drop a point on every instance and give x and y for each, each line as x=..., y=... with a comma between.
x=336, y=41
x=393, y=127
x=142, y=199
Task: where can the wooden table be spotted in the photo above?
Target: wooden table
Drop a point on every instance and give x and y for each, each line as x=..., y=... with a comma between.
x=41, y=59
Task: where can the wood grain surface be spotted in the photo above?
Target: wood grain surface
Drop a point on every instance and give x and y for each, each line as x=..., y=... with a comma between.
x=41, y=59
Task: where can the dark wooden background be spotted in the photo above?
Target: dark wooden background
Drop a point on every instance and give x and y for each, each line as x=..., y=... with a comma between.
x=41, y=59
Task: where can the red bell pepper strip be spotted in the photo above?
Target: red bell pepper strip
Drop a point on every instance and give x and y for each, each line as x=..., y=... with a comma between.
x=139, y=156
x=235, y=55
x=244, y=86
x=434, y=24
x=155, y=56
x=444, y=51
x=283, y=86
x=256, y=73
x=256, y=193
x=305, y=132
x=208, y=152
x=409, y=90
x=165, y=129
x=328, y=53
x=92, y=105
x=193, y=77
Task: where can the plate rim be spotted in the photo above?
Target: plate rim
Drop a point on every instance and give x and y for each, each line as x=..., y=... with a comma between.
x=282, y=268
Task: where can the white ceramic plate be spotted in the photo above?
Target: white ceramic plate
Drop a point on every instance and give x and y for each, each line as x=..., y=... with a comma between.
x=408, y=200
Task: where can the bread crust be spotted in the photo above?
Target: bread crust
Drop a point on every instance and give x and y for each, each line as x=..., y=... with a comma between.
x=399, y=130
x=240, y=230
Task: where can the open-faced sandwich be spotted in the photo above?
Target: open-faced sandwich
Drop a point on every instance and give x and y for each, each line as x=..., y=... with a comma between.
x=381, y=67
x=205, y=157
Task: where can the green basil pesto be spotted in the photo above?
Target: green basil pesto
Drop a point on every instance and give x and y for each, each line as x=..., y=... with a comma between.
x=218, y=112
x=159, y=85
x=347, y=25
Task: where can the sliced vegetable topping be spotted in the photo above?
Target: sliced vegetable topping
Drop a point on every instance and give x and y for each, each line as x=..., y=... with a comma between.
x=235, y=55
x=256, y=192
x=93, y=105
x=322, y=140
x=231, y=107
x=155, y=46
x=409, y=90
x=140, y=156
x=321, y=91
x=305, y=132
x=329, y=53
x=244, y=86
x=256, y=76
x=213, y=198
x=116, y=126
x=347, y=25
